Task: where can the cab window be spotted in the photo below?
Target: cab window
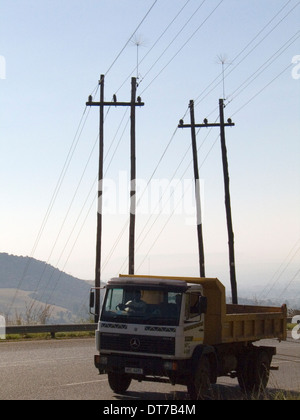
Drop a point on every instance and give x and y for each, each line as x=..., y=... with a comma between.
x=192, y=306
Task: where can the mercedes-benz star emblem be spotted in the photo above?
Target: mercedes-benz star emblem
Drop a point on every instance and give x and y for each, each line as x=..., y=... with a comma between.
x=135, y=343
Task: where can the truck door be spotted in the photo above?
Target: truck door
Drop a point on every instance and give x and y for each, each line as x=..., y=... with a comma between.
x=193, y=323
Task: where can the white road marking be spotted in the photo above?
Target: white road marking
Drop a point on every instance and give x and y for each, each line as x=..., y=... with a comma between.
x=78, y=383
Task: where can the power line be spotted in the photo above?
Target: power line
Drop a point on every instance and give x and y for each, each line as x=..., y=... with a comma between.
x=82, y=208
x=257, y=34
x=218, y=79
x=173, y=177
x=65, y=219
x=126, y=44
x=251, y=98
x=114, y=103
x=181, y=48
x=252, y=50
x=73, y=246
x=261, y=90
x=290, y=282
x=233, y=114
x=90, y=191
x=161, y=197
x=255, y=95
x=151, y=177
x=123, y=230
x=172, y=213
x=155, y=43
x=67, y=214
x=66, y=165
x=261, y=70
x=174, y=39
x=140, y=198
x=126, y=223
x=281, y=270
x=266, y=64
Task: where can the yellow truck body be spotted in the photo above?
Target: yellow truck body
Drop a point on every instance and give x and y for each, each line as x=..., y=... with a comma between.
x=227, y=323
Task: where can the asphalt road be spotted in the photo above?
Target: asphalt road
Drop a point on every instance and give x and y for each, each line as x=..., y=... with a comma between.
x=64, y=370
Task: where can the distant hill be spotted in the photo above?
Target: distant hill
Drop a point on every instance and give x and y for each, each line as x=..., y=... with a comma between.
x=25, y=280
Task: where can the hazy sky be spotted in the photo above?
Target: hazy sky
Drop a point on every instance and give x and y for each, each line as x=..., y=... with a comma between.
x=52, y=54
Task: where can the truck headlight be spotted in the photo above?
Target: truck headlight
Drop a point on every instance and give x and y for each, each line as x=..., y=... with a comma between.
x=103, y=360
x=170, y=365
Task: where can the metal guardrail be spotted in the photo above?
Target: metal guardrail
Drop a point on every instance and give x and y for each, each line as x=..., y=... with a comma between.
x=56, y=328
x=52, y=329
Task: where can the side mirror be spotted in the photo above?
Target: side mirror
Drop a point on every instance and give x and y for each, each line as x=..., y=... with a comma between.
x=202, y=304
x=92, y=299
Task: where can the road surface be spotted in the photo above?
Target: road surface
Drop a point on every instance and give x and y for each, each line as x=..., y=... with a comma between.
x=64, y=370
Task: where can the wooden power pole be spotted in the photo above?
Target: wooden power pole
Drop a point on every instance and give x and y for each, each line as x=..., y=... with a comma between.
x=132, y=179
x=222, y=126
x=197, y=187
x=227, y=203
x=102, y=104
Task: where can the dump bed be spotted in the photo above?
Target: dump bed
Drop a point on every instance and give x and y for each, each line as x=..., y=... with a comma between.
x=239, y=323
x=251, y=323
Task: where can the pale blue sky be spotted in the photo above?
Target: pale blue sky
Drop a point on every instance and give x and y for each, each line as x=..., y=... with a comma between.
x=54, y=54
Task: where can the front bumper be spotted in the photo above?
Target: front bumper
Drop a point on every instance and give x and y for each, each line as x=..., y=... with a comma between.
x=143, y=367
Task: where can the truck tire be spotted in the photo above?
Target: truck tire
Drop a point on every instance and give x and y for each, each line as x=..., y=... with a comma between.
x=254, y=371
x=261, y=371
x=119, y=382
x=243, y=371
x=199, y=385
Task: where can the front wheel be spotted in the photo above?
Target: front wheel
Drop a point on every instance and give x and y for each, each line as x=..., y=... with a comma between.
x=199, y=385
x=119, y=382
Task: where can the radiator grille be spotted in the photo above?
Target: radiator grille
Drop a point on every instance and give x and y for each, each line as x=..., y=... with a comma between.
x=138, y=344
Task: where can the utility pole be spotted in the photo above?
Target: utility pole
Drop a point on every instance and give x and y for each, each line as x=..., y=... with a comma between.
x=197, y=187
x=222, y=126
x=100, y=190
x=227, y=203
x=132, y=179
x=102, y=104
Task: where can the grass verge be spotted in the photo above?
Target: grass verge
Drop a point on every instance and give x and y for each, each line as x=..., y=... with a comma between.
x=48, y=336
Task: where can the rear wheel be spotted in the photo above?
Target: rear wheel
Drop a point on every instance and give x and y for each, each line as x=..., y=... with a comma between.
x=261, y=372
x=119, y=382
x=243, y=371
x=199, y=385
x=254, y=371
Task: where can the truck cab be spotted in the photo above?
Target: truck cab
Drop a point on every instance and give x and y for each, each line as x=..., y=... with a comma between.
x=181, y=331
x=148, y=327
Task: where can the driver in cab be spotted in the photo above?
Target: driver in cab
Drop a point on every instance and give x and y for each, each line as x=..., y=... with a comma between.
x=136, y=304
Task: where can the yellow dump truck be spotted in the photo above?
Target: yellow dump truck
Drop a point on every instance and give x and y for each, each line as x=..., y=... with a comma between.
x=180, y=330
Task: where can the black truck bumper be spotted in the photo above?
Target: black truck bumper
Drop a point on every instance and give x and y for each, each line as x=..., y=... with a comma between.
x=142, y=368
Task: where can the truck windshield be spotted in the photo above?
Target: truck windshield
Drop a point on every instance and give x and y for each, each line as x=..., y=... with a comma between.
x=142, y=306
